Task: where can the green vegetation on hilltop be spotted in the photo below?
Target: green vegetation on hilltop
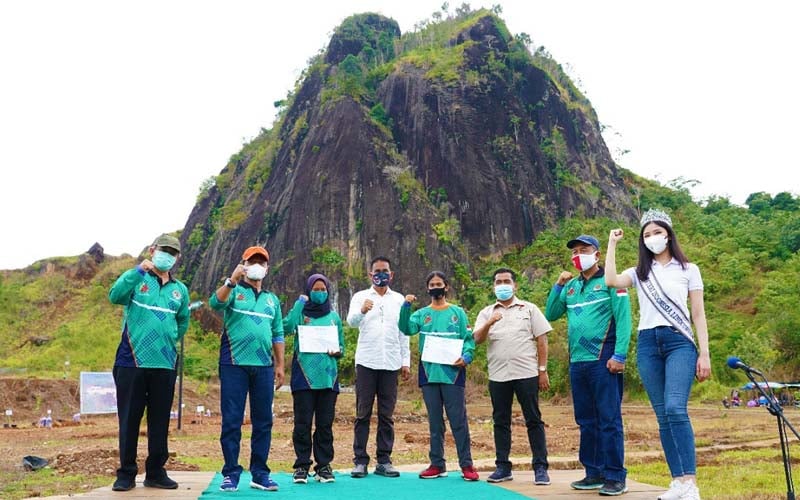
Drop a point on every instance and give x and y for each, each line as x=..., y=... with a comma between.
x=748, y=257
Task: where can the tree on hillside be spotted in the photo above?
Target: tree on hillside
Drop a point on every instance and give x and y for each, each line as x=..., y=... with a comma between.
x=759, y=203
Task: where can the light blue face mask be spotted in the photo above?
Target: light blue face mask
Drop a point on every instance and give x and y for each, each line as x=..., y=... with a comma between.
x=163, y=261
x=503, y=292
x=318, y=296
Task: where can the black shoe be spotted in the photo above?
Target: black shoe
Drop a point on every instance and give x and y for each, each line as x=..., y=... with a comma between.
x=613, y=488
x=300, y=475
x=325, y=474
x=123, y=484
x=588, y=483
x=165, y=483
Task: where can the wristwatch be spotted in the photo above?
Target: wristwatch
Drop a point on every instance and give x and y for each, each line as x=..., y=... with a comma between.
x=229, y=283
x=542, y=368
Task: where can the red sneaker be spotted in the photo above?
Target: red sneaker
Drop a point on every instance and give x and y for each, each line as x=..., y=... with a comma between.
x=469, y=473
x=432, y=472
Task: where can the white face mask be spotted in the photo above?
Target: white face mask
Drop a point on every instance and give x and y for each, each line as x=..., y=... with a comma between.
x=656, y=244
x=583, y=261
x=256, y=272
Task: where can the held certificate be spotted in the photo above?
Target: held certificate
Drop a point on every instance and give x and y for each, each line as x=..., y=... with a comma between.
x=442, y=350
x=318, y=338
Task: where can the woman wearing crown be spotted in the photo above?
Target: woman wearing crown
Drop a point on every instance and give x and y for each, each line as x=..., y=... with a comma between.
x=667, y=355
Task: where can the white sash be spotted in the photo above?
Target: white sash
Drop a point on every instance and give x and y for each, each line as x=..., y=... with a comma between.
x=664, y=305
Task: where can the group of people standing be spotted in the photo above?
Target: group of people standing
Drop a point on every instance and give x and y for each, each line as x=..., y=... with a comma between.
x=251, y=362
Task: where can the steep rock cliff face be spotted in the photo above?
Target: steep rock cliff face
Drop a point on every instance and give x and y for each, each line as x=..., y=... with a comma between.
x=430, y=164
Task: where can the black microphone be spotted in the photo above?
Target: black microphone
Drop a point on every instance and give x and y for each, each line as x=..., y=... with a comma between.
x=736, y=363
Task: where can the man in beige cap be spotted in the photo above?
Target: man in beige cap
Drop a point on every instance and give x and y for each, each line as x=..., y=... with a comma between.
x=155, y=318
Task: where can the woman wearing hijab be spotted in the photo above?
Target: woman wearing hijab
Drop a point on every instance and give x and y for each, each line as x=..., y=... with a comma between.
x=315, y=377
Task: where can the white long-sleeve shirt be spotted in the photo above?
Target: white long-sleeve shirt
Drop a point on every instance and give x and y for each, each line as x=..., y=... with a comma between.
x=381, y=344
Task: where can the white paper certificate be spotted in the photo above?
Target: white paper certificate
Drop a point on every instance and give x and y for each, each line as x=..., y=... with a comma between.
x=318, y=338
x=442, y=350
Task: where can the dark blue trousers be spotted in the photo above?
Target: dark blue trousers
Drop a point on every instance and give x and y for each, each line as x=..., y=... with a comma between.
x=597, y=400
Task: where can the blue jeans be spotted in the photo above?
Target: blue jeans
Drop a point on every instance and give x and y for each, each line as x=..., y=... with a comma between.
x=667, y=364
x=236, y=382
x=597, y=401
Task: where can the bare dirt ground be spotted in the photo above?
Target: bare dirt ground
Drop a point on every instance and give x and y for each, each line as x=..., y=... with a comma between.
x=89, y=448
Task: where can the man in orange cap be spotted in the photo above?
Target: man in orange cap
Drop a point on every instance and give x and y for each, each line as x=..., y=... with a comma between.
x=250, y=361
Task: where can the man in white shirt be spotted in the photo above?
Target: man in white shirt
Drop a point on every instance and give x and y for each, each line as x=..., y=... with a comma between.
x=382, y=353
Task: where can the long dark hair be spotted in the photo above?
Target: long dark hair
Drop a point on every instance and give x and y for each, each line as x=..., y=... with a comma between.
x=646, y=256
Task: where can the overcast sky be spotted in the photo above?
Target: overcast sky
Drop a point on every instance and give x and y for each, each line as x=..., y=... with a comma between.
x=113, y=113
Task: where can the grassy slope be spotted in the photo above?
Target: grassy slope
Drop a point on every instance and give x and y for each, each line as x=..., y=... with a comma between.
x=747, y=272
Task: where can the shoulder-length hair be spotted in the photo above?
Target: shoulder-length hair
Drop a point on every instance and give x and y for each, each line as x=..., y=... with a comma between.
x=646, y=256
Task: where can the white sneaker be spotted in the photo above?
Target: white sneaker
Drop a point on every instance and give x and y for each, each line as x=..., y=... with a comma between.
x=676, y=490
x=692, y=491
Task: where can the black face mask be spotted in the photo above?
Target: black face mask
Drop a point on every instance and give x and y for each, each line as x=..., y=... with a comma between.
x=436, y=293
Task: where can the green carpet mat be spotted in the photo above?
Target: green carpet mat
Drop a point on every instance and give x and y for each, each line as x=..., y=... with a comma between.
x=406, y=487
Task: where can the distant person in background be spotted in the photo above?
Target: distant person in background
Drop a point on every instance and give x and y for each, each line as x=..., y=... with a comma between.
x=250, y=362
x=382, y=354
x=752, y=403
x=517, y=358
x=667, y=356
x=599, y=333
x=442, y=383
x=156, y=316
x=315, y=379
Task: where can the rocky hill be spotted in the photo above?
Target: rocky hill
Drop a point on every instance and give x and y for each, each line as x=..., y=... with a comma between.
x=434, y=148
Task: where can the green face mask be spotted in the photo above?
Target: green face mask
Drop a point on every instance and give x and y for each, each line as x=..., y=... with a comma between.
x=318, y=297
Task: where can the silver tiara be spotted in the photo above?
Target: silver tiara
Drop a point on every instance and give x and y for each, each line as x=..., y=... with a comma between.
x=656, y=215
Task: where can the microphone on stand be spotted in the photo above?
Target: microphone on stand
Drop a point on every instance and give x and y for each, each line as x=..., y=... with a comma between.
x=735, y=363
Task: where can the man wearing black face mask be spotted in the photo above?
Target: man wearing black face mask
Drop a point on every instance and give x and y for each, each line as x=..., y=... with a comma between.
x=381, y=354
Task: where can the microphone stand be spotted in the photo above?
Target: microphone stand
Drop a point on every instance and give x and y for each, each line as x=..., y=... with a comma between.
x=775, y=409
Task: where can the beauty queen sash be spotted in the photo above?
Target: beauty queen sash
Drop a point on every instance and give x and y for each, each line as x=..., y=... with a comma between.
x=669, y=309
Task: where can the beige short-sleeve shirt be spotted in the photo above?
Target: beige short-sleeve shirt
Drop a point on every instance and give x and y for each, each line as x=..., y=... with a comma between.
x=512, y=352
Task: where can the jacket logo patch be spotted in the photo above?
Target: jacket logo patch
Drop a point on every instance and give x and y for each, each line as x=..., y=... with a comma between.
x=176, y=295
x=144, y=288
x=570, y=292
x=428, y=319
x=306, y=320
x=597, y=287
x=240, y=296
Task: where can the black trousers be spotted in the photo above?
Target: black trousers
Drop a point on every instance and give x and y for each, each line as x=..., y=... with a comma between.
x=319, y=404
x=371, y=383
x=527, y=391
x=137, y=389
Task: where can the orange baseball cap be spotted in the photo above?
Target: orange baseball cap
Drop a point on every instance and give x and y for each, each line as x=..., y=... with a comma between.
x=255, y=251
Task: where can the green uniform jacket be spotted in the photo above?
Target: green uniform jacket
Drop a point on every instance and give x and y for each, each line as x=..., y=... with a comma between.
x=156, y=317
x=598, y=318
x=253, y=322
x=313, y=370
x=450, y=323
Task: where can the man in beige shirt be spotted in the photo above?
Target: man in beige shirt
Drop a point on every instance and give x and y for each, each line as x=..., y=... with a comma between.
x=517, y=355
